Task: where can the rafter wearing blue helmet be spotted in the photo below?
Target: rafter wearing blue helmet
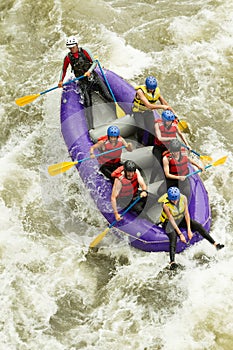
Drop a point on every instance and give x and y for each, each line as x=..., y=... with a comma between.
x=151, y=83
x=173, y=194
x=113, y=131
x=174, y=217
x=145, y=101
x=112, y=143
x=168, y=116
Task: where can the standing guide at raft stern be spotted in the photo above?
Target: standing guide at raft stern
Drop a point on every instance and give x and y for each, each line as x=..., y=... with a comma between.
x=143, y=105
x=82, y=63
x=174, y=215
x=110, y=161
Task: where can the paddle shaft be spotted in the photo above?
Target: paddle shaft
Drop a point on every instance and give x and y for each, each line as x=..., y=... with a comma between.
x=106, y=80
x=99, y=238
x=199, y=170
x=101, y=154
x=59, y=168
x=191, y=150
x=125, y=211
x=56, y=87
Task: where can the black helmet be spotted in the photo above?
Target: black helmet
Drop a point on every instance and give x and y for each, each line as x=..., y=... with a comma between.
x=175, y=145
x=129, y=165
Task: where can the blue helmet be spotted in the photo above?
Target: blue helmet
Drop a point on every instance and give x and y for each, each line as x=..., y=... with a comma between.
x=173, y=193
x=168, y=116
x=151, y=83
x=113, y=131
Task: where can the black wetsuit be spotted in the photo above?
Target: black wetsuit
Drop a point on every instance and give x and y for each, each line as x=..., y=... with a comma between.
x=195, y=226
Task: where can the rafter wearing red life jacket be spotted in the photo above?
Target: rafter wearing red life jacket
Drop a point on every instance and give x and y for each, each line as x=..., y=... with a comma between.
x=114, y=156
x=178, y=167
x=166, y=132
x=129, y=187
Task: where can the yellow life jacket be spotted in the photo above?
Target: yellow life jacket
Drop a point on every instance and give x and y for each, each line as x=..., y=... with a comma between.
x=177, y=211
x=152, y=97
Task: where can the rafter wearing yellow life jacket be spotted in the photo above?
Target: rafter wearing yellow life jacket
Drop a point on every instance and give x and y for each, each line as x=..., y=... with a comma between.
x=152, y=97
x=177, y=211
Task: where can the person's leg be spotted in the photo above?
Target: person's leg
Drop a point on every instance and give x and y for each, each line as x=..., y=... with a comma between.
x=184, y=187
x=88, y=105
x=102, y=88
x=172, y=183
x=157, y=153
x=172, y=249
x=123, y=203
x=108, y=169
x=165, y=186
x=139, y=120
x=139, y=206
x=196, y=226
x=149, y=133
x=173, y=240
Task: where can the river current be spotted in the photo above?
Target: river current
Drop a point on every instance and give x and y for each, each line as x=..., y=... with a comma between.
x=55, y=293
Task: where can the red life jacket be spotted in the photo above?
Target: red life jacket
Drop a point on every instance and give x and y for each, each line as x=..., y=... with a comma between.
x=114, y=156
x=165, y=132
x=180, y=166
x=118, y=172
x=129, y=187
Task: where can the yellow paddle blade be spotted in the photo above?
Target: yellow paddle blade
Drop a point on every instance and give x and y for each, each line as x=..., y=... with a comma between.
x=119, y=111
x=59, y=168
x=183, y=126
x=99, y=238
x=220, y=161
x=206, y=159
x=22, y=101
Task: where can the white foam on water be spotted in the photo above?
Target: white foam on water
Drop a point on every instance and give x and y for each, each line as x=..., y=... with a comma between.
x=130, y=61
x=55, y=293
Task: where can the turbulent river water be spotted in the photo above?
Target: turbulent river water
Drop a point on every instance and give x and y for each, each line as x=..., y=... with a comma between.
x=55, y=293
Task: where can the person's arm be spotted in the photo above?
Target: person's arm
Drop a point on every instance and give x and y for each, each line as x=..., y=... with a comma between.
x=90, y=57
x=183, y=138
x=173, y=223
x=98, y=145
x=187, y=219
x=142, y=184
x=149, y=105
x=165, y=103
x=115, y=193
x=128, y=145
x=65, y=65
x=199, y=166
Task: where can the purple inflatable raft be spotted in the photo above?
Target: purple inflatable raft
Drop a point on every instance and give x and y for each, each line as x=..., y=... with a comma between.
x=142, y=234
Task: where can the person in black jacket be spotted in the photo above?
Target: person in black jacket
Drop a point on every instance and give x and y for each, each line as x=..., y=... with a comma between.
x=82, y=63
